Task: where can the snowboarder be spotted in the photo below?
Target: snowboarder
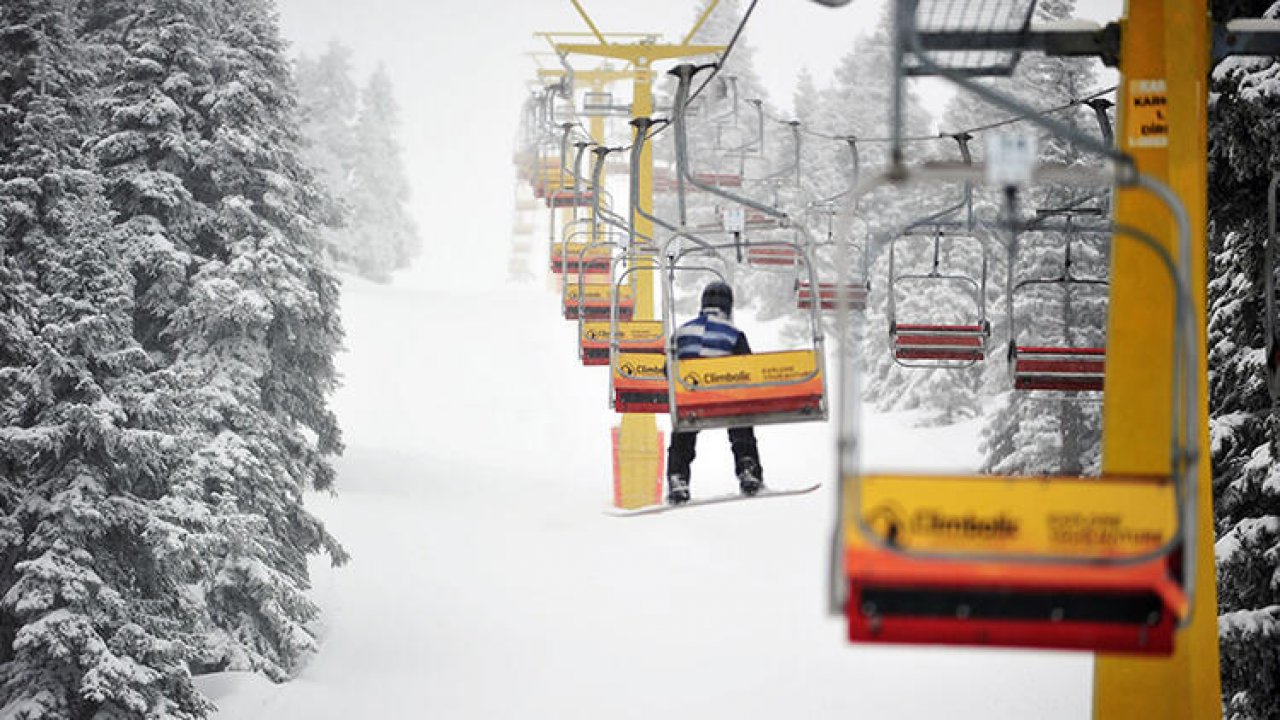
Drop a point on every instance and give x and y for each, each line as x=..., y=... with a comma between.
x=712, y=334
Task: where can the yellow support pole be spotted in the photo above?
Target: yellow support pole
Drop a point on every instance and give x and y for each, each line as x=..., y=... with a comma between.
x=637, y=452
x=638, y=433
x=1165, y=55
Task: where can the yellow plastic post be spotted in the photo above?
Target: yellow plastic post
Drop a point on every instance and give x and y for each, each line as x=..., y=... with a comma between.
x=637, y=456
x=639, y=437
x=1162, y=121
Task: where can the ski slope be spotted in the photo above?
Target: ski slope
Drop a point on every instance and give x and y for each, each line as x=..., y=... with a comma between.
x=487, y=582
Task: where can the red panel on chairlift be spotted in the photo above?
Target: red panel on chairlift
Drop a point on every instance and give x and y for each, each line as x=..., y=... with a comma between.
x=641, y=394
x=799, y=398
x=768, y=255
x=914, y=600
x=831, y=294
x=938, y=342
x=1056, y=368
x=596, y=352
x=719, y=179
x=567, y=199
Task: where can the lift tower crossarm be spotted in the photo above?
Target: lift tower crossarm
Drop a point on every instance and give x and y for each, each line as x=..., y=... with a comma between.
x=640, y=53
x=591, y=77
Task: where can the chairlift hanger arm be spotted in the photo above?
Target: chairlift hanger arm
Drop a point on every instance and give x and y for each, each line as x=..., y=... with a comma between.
x=639, y=54
x=643, y=126
x=684, y=73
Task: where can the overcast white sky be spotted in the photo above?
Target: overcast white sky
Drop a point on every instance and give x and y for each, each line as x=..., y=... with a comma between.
x=460, y=70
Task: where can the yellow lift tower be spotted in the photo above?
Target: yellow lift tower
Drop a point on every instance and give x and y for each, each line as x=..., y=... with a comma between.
x=1163, y=103
x=638, y=449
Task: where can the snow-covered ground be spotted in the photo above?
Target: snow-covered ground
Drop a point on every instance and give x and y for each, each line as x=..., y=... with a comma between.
x=486, y=581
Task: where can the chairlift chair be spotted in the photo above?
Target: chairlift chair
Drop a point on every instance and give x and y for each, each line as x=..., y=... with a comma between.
x=850, y=288
x=1104, y=564
x=635, y=336
x=832, y=295
x=773, y=255
x=575, y=257
x=586, y=300
x=922, y=344
x=1059, y=367
x=635, y=352
x=743, y=390
x=1084, y=563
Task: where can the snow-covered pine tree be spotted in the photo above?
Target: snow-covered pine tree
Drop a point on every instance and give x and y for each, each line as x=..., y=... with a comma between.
x=201, y=152
x=381, y=237
x=255, y=347
x=328, y=100
x=84, y=623
x=1243, y=155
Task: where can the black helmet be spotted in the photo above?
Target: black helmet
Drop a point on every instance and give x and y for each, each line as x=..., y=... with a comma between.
x=718, y=295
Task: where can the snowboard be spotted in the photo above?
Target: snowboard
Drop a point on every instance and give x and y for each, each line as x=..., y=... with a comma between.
x=765, y=492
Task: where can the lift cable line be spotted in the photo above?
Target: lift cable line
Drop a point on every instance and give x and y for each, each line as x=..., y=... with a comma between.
x=1084, y=100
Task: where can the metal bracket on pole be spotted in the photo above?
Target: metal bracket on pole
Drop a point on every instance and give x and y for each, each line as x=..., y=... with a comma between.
x=1247, y=36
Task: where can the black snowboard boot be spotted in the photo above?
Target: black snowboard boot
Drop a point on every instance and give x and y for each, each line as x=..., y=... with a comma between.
x=677, y=489
x=750, y=477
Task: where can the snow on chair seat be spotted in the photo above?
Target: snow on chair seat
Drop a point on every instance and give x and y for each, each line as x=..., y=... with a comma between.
x=831, y=295
x=639, y=336
x=1045, y=562
x=594, y=301
x=965, y=343
x=1059, y=368
x=639, y=383
x=740, y=390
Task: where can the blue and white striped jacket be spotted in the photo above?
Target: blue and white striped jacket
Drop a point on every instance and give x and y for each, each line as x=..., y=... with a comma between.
x=711, y=334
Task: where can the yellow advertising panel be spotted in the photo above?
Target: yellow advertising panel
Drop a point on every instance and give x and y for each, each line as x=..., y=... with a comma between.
x=1062, y=517
x=640, y=366
x=633, y=331
x=575, y=250
x=595, y=291
x=733, y=370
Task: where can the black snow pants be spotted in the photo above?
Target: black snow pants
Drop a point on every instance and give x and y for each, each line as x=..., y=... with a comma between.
x=683, y=449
